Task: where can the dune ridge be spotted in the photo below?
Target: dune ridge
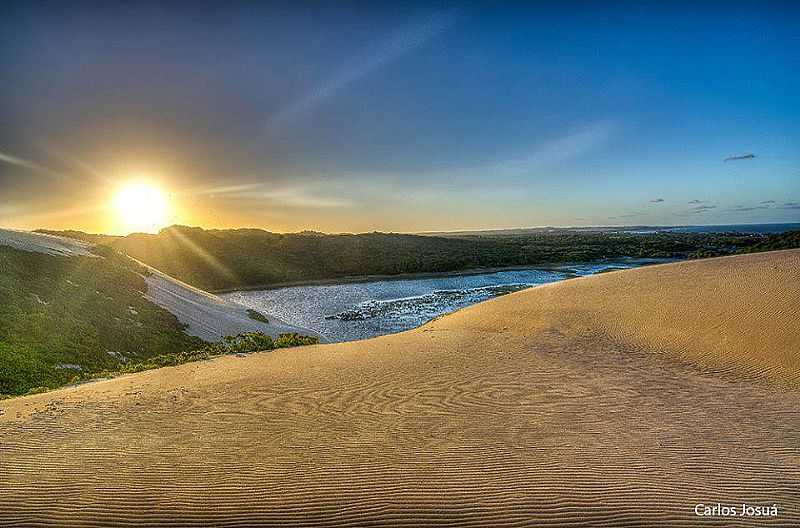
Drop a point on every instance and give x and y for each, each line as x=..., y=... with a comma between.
x=622, y=399
x=205, y=315
x=730, y=314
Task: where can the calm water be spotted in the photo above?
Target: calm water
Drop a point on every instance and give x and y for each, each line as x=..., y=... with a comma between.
x=738, y=228
x=345, y=312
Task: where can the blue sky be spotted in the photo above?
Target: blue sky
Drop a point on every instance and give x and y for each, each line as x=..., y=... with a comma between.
x=404, y=117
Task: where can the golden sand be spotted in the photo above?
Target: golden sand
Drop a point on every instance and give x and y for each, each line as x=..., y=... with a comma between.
x=619, y=399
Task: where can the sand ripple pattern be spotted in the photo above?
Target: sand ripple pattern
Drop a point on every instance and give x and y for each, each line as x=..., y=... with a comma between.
x=477, y=419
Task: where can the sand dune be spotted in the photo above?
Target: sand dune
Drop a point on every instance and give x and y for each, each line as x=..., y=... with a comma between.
x=207, y=316
x=623, y=399
x=42, y=243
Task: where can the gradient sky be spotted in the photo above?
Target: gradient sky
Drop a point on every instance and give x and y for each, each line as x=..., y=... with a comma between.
x=404, y=117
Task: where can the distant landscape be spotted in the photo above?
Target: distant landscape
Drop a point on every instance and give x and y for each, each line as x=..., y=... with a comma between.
x=69, y=318
x=220, y=260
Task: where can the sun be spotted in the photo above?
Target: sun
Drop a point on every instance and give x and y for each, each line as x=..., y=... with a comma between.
x=141, y=207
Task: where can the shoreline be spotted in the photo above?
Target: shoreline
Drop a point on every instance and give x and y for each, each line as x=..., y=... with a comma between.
x=356, y=279
x=207, y=315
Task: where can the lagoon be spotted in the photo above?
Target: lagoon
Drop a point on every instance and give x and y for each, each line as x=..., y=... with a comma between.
x=351, y=311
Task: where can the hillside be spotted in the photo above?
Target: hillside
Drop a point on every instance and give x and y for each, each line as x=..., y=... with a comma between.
x=626, y=398
x=69, y=310
x=228, y=259
x=66, y=316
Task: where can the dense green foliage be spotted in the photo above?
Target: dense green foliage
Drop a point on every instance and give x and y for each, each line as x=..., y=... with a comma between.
x=789, y=240
x=62, y=318
x=757, y=243
x=257, y=316
x=69, y=319
x=239, y=258
x=242, y=344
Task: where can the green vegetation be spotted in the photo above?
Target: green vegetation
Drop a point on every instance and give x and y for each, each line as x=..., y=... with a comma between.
x=609, y=270
x=257, y=316
x=757, y=244
x=62, y=318
x=789, y=240
x=240, y=258
x=242, y=344
x=69, y=319
x=246, y=343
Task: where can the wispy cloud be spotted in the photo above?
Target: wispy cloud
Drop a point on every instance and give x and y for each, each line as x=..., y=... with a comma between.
x=300, y=197
x=223, y=190
x=413, y=36
x=700, y=209
x=28, y=164
x=766, y=204
x=569, y=146
x=508, y=176
x=546, y=154
x=748, y=208
x=68, y=159
x=697, y=209
x=312, y=196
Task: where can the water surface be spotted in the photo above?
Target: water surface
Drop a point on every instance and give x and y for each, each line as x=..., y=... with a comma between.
x=345, y=312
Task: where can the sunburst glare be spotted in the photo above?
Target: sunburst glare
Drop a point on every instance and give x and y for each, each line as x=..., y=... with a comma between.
x=141, y=207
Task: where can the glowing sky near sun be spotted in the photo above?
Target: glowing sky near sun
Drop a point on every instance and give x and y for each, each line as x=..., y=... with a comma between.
x=141, y=207
x=403, y=117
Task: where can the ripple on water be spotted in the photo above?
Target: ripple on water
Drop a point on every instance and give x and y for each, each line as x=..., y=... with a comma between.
x=346, y=312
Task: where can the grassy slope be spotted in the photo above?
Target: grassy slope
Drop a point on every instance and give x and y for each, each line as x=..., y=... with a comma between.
x=76, y=310
x=222, y=259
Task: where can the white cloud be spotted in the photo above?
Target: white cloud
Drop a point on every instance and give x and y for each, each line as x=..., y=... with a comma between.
x=311, y=195
x=28, y=164
x=395, y=46
x=546, y=154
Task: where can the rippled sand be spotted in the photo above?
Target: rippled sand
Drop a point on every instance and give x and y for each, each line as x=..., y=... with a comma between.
x=622, y=399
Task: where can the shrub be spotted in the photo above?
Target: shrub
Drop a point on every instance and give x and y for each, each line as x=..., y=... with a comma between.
x=292, y=340
x=245, y=343
x=257, y=316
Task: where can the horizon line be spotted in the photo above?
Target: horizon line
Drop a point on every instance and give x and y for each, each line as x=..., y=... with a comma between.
x=423, y=233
